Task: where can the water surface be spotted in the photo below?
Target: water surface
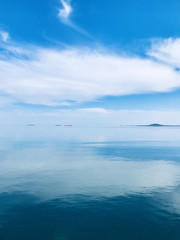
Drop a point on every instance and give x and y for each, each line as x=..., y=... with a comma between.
x=60, y=183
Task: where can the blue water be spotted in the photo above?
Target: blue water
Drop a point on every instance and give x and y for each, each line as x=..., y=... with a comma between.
x=60, y=183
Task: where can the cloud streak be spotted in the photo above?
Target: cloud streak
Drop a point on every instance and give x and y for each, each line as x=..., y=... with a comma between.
x=56, y=77
x=64, y=15
x=167, y=51
x=65, y=11
x=4, y=36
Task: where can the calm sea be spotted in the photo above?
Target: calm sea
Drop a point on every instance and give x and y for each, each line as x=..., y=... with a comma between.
x=66, y=183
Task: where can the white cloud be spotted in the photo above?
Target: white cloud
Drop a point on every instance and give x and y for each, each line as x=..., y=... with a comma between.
x=167, y=51
x=64, y=15
x=4, y=36
x=53, y=77
x=6, y=100
x=94, y=110
x=65, y=11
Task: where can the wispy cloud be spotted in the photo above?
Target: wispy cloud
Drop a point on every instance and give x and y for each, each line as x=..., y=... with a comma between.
x=53, y=77
x=65, y=11
x=95, y=110
x=64, y=15
x=167, y=51
x=4, y=36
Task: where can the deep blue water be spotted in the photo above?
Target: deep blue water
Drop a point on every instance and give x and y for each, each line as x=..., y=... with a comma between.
x=61, y=183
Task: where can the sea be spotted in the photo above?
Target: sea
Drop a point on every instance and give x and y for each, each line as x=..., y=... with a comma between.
x=70, y=183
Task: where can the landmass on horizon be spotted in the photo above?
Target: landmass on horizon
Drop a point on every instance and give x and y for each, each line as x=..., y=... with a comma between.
x=159, y=125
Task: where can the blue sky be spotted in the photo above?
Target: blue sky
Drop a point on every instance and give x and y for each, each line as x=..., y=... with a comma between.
x=74, y=59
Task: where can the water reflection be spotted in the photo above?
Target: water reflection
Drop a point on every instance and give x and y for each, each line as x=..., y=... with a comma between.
x=99, y=187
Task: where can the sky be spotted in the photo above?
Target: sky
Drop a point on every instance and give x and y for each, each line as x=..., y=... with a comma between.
x=90, y=63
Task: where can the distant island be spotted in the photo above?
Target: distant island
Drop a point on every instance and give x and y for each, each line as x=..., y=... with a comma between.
x=155, y=125
x=158, y=125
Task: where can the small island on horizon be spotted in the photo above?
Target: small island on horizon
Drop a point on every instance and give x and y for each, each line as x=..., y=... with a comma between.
x=155, y=125
x=158, y=125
